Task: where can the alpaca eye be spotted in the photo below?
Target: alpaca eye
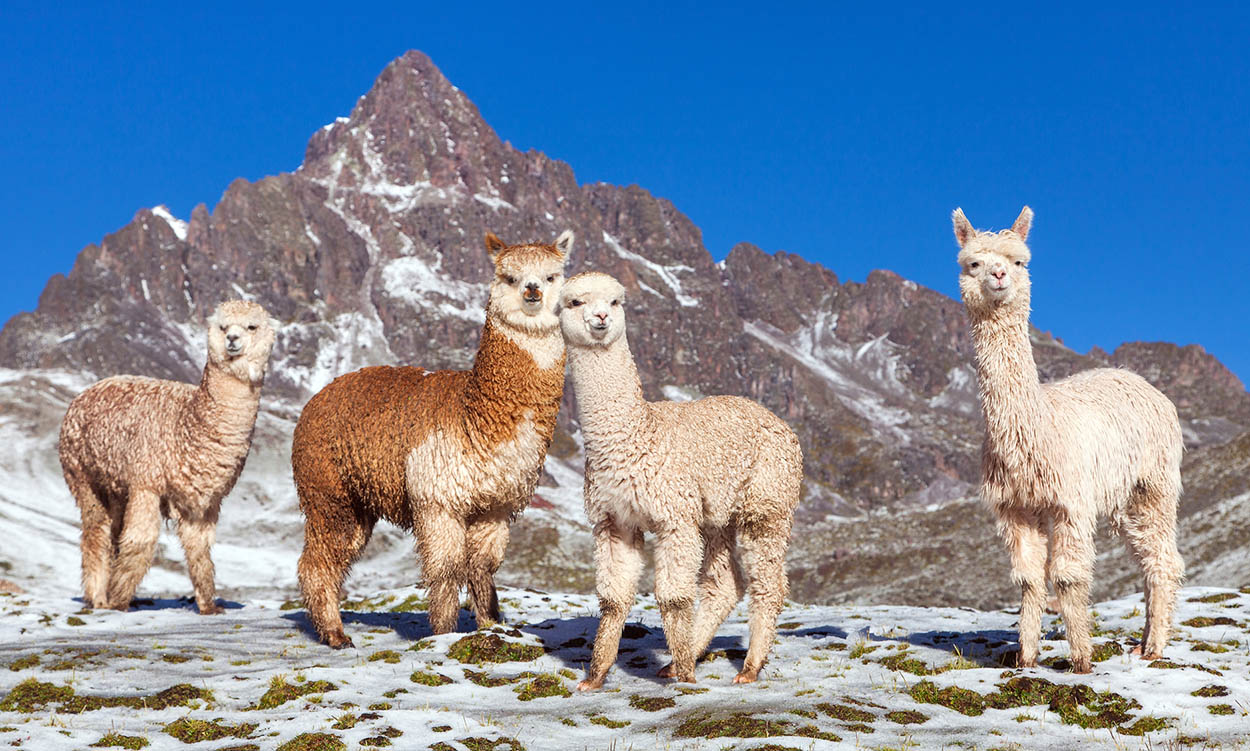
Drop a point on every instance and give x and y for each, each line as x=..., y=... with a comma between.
x=509, y=279
x=1020, y=264
x=223, y=329
x=551, y=278
x=974, y=265
x=252, y=327
x=616, y=303
x=575, y=303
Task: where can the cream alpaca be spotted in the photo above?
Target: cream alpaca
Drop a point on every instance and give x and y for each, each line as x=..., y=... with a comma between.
x=1058, y=456
x=135, y=449
x=453, y=455
x=706, y=477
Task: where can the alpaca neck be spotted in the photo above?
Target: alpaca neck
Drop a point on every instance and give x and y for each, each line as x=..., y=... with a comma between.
x=507, y=379
x=224, y=405
x=609, y=394
x=1011, y=394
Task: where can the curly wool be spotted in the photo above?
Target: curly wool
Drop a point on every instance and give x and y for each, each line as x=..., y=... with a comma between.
x=134, y=450
x=1058, y=456
x=706, y=477
x=452, y=455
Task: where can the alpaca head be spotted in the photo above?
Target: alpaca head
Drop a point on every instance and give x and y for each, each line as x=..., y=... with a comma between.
x=527, y=282
x=240, y=336
x=994, y=266
x=592, y=310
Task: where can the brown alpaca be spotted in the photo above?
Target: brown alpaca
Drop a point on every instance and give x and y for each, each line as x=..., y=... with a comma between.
x=1057, y=456
x=135, y=449
x=453, y=456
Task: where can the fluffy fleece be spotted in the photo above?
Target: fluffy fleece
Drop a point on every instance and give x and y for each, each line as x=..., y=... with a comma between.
x=453, y=456
x=706, y=478
x=1058, y=456
x=135, y=449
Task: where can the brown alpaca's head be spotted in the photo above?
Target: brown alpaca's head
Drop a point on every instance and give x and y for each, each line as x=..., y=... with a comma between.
x=994, y=266
x=527, y=283
x=240, y=337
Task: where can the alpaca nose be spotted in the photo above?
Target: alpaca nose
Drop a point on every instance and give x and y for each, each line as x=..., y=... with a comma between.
x=232, y=338
x=531, y=286
x=998, y=272
x=603, y=317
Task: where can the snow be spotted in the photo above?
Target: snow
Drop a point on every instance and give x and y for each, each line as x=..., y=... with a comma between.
x=493, y=202
x=146, y=294
x=177, y=225
x=348, y=342
x=420, y=284
x=238, y=654
x=667, y=274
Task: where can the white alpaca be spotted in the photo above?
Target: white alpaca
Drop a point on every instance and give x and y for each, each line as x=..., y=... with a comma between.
x=705, y=477
x=1058, y=456
x=135, y=449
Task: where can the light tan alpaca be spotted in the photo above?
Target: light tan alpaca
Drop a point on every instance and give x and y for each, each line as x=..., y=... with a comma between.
x=705, y=477
x=452, y=455
x=1058, y=456
x=135, y=449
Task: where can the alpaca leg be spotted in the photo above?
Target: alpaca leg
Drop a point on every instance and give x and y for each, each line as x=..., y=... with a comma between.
x=140, y=530
x=97, y=541
x=618, y=565
x=333, y=538
x=197, y=536
x=764, y=556
x=1024, y=534
x=1151, y=535
x=678, y=554
x=721, y=586
x=486, y=539
x=1071, y=570
x=441, y=541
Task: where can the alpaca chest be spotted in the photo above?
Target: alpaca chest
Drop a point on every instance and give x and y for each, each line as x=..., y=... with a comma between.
x=452, y=470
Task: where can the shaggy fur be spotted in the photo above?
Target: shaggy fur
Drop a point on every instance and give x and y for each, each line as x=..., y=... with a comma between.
x=453, y=456
x=135, y=449
x=1058, y=456
x=706, y=477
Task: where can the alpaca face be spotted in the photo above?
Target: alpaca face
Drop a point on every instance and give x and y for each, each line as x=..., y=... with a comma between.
x=527, y=282
x=240, y=337
x=592, y=310
x=994, y=266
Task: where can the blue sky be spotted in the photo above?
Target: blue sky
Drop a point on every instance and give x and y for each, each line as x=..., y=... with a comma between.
x=841, y=134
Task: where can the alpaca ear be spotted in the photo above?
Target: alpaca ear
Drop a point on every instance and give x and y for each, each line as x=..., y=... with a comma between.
x=493, y=245
x=564, y=244
x=1023, y=223
x=963, y=228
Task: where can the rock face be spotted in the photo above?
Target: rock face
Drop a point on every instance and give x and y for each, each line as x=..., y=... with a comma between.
x=371, y=252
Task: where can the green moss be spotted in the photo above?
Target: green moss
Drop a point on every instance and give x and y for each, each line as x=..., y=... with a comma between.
x=1145, y=725
x=652, y=703
x=486, y=680
x=1205, y=647
x=482, y=744
x=1075, y=704
x=775, y=747
x=114, y=740
x=1210, y=692
x=811, y=731
x=736, y=725
x=1203, y=621
x=429, y=679
x=410, y=604
x=907, y=664
x=541, y=687
x=74, y=620
x=345, y=722
x=605, y=722
x=1221, y=597
x=860, y=649
x=175, y=659
x=962, y=700
x=1107, y=650
x=846, y=713
x=280, y=692
x=188, y=730
x=383, y=738
x=478, y=648
x=21, y=663
x=380, y=706
x=1221, y=709
x=31, y=695
x=806, y=713
x=314, y=742
x=389, y=656
x=907, y=717
x=440, y=728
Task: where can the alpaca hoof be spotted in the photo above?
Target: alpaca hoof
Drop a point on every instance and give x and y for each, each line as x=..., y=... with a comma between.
x=340, y=641
x=666, y=671
x=1081, y=666
x=682, y=677
x=1152, y=656
x=590, y=684
x=747, y=676
x=213, y=609
x=1136, y=650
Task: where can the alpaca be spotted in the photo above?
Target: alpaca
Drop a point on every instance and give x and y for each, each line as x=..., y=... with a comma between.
x=453, y=456
x=1057, y=456
x=136, y=449
x=705, y=477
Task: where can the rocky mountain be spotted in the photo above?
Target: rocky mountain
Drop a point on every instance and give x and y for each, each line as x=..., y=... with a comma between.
x=371, y=252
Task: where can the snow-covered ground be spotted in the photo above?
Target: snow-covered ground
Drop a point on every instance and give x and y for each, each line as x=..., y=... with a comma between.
x=839, y=677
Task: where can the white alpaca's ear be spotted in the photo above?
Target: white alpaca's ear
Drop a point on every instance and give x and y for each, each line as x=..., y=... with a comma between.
x=493, y=246
x=1023, y=223
x=963, y=228
x=564, y=244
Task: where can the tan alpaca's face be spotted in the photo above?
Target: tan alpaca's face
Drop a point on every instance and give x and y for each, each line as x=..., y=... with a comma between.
x=592, y=310
x=994, y=266
x=240, y=337
x=527, y=282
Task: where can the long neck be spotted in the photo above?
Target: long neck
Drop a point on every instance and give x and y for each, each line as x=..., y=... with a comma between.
x=609, y=394
x=223, y=404
x=506, y=378
x=1011, y=395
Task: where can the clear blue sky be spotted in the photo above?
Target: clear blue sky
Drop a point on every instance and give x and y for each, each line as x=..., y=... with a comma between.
x=843, y=135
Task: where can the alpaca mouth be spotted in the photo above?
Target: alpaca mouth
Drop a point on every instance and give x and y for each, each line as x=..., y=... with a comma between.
x=233, y=351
